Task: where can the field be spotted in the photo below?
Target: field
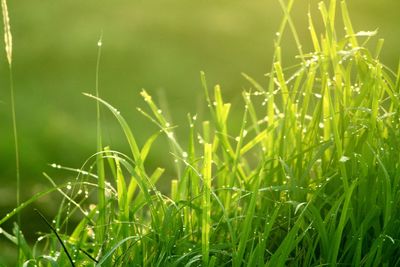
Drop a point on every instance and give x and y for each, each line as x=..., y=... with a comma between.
x=299, y=167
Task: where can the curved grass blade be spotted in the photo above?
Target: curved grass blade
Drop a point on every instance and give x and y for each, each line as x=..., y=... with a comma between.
x=125, y=127
x=115, y=247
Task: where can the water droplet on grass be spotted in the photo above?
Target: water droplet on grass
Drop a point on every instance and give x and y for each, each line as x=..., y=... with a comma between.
x=318, y=95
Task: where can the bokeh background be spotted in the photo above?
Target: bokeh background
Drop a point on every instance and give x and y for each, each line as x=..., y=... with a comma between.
x=157, y=45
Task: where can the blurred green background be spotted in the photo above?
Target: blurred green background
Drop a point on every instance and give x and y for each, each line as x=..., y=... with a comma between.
x=157, y=45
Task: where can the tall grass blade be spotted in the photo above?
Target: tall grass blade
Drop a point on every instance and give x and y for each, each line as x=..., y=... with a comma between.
x=206, y=205
x=99, y=158
x=8, y=47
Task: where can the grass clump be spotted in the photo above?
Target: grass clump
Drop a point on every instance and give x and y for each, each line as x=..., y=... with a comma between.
x=310, y=179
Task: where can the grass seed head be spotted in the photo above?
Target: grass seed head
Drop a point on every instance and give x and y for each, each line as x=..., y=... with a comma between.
x=7, y=31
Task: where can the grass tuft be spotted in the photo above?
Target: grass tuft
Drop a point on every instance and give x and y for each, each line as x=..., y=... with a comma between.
x=309, y=176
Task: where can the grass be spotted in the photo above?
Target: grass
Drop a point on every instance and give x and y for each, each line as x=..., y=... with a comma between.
x=311, y=178
x=8, y=48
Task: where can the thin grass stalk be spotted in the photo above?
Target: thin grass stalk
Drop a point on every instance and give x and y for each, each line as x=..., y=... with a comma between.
x=206, y=204
x=58, y=237
x=8, y=49
x=36, y=197
x=286, y=11
x=101, y=195
x=271, y=88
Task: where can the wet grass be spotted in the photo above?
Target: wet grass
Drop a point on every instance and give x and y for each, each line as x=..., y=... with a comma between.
x=311, y=178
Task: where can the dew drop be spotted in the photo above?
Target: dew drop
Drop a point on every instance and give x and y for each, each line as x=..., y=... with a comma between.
x=318, y=95
x=344, y=159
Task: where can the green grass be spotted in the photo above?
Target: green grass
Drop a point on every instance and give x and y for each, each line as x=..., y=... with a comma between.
x=311, y=178
x=8, y=48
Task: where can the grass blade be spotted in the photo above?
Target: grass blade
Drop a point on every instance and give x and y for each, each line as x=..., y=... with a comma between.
x=206, y=207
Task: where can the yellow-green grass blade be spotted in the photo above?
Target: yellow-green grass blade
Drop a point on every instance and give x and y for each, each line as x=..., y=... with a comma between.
x=121, y=191
x=79, y=236
x=125, y=127
x=248, y=221
x=348, y=25
x=206, y=204
x=286, y=11
x=344, y=217
x=147, y=146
